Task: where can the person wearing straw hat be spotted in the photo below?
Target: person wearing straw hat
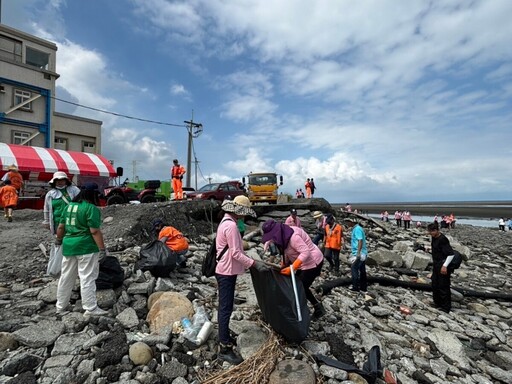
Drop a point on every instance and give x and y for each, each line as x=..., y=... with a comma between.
x=298, y=251
x=234, y=262
x=57, y=199
x=320, y=226
x=15, y=177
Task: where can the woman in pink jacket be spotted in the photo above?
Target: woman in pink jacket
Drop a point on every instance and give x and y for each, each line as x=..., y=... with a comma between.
x=233, y=262
x=299, y=251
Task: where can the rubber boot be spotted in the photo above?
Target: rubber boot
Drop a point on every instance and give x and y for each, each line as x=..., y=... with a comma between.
x=227, y=353
x=319, y=310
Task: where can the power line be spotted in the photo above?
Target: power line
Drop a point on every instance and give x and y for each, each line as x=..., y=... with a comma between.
x=119, y=114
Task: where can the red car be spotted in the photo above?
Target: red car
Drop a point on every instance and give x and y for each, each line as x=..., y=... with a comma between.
x=217, y=191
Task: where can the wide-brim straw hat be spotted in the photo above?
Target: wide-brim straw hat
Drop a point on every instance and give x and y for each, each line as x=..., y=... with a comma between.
x=317, y=214
x=240, y=205
x=12, y=167
x=59, y=176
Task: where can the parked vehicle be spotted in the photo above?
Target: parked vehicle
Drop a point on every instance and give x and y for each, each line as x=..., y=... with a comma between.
x=218, y=191
x=123, y=194
x=186, y=191
x=262, y=187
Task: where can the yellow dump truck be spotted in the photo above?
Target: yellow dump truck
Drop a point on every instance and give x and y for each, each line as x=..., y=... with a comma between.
x=262, y=187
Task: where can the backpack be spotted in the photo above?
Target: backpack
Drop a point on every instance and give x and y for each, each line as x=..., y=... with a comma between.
x=211, y=259
x=456, y=261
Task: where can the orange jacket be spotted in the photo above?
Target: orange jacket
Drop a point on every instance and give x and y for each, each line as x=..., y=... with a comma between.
x=8, y=196
x=16, y=179
x=177, y=171
x=175, y=239
x=333, y=238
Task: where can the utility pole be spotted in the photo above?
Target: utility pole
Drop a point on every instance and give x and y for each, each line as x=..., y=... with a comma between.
x=194, y=130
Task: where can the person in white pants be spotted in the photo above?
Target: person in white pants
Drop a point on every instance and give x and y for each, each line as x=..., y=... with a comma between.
x=82, y=247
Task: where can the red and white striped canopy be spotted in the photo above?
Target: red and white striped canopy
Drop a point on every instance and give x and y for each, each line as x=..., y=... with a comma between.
x=43, y=162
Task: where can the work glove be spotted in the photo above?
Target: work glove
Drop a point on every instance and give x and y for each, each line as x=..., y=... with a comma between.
x=102, y=255
x=58, y=242
x=260, y=266
x=296, y=265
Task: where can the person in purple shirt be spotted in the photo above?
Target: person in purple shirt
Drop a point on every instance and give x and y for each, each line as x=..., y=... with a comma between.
x=234, y=262
x=298, y=251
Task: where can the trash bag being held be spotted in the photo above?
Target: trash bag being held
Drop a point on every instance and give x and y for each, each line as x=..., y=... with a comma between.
x=157, y=258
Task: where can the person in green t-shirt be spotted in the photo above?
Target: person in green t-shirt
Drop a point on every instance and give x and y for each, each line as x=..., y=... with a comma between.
x=82, y=246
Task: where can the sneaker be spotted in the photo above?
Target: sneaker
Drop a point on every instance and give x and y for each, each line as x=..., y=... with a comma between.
x=96, y=312
x=9, y=219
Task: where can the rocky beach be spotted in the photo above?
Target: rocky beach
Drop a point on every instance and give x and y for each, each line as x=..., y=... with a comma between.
x=140, y=342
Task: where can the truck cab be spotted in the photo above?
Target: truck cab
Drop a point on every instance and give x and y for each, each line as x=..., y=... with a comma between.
x=262, y=187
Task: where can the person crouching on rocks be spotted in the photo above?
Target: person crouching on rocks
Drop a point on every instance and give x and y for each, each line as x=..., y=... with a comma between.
x=173, y=239
x=83, y=249
x=300, y=252
x=234, y=262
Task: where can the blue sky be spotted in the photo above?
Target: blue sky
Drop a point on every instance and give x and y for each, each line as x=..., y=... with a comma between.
x=377, y=100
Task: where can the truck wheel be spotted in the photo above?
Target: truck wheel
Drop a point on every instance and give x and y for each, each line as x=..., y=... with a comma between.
x=148, y=199
x=115, y=199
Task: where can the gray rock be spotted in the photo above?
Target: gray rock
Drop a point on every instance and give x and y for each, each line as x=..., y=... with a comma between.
x=41, y=334
x=128, y=318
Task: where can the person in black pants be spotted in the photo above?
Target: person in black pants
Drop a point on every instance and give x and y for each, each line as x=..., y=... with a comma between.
x=442, y=255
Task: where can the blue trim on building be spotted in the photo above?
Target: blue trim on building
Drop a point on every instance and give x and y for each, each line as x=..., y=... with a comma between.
x=45, y=126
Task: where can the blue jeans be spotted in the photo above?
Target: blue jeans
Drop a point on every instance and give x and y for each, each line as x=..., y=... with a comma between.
x=359, y=282
x=226, y=285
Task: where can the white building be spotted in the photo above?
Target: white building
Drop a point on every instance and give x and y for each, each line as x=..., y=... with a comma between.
x=28, y=72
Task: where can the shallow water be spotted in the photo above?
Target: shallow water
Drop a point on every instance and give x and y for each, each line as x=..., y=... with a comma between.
x=428, y=219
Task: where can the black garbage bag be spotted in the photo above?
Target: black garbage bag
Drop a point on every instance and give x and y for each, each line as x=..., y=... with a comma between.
x=111, y=274
x=277, y=303
x=157, y=258
x=372, y=368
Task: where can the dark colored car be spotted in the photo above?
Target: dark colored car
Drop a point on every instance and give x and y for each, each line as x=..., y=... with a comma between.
x=217, y=191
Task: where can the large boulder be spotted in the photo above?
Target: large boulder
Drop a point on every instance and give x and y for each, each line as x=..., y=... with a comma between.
x=167, y=309
x=385, y=258
x=417, y=260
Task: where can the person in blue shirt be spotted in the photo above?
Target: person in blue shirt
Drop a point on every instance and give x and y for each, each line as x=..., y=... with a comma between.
x=509, y=224
x=359, y=254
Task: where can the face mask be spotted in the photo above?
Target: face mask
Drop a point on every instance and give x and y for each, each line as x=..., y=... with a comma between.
x=60, y=186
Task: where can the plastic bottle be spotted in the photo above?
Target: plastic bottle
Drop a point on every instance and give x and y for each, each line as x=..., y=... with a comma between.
x=204, y=333
x=188, y=330
x=200, y=317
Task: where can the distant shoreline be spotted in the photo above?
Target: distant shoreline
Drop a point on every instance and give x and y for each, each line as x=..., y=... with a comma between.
x=462, y=209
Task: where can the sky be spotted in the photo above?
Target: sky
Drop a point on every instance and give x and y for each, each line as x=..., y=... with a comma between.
x=378, y=101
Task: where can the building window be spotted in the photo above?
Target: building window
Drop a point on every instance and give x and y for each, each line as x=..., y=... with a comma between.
x=10, y=49
x=20, y=96
x=37, y=58
x=61, y=143
x=89, y=147
x=18, y=137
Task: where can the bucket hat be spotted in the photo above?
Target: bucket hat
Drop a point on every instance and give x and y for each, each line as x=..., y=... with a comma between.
x=240, y=205
x=12, y=167
x=317, y=214
x=59, y=175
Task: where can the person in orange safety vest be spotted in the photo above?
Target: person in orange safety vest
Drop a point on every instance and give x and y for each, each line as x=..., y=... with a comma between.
x=333, y=241
x=177, y=172
x=173, y=239
x=14, y=176
x=8, y=198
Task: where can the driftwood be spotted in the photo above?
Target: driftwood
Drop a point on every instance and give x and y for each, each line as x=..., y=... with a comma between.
x=326, y=288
